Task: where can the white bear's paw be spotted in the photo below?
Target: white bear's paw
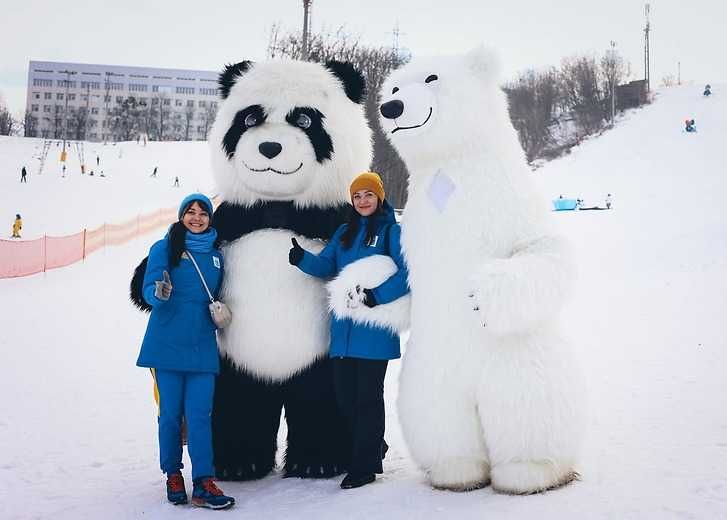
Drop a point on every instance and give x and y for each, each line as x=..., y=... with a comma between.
x=460, y=474
x=526, y=478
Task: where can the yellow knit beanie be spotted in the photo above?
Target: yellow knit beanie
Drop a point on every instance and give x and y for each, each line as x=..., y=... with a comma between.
x=368, y=181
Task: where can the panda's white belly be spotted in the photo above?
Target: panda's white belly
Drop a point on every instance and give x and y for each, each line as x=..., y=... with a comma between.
x=280, y=322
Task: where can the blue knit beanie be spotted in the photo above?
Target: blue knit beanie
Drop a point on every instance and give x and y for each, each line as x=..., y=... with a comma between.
x=201, y=198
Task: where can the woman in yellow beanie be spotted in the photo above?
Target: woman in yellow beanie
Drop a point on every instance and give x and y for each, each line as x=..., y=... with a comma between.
x=361, y=350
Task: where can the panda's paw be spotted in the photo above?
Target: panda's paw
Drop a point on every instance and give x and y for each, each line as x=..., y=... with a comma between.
x=250, y=471
x=313, y=470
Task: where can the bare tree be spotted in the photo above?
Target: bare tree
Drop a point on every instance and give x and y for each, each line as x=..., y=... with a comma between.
x=533, y=97
x=375, y=63
x=613, y=72
x=582, y=93
x=188, y=120
x=8, y=124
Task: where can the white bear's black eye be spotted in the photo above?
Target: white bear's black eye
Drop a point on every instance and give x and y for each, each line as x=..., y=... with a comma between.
x=395, y=90
x=430, y=78
x=303, y=121
x=251, y=120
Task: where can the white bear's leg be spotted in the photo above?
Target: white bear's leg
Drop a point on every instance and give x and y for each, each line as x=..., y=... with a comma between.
x=438, y=416
x=530, y=405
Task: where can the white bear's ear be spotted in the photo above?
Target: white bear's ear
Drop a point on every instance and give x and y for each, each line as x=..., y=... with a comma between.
x=485, y=63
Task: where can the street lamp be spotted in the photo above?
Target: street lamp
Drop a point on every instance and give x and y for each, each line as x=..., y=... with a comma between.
x=613, y=82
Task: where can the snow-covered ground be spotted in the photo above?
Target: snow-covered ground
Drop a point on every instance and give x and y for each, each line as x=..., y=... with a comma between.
x=56, y=205
x=77, y=428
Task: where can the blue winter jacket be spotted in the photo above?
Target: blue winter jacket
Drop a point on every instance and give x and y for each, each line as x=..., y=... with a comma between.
x=180, y=334
x=349, y=339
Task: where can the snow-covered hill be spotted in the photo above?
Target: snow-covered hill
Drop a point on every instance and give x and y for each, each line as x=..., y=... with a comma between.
x=77, y=429
x=54, y=204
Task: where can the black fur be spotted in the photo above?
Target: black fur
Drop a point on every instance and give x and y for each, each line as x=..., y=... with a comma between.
x=238, y=127
x=353, y=81
x=317, y=135
x=233, y=221
x=246, y=417
x=137, y=285
x=229, y=76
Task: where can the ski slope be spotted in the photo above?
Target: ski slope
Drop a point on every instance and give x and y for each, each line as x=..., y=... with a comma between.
x=54, y=204
x=77, y=432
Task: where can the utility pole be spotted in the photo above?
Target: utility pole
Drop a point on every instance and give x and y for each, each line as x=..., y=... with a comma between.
x=613, y=82
x=88, y=109
x=107, y=98
x=647, y=67
x=679, y=73
x=306, y=27
x=68, y=74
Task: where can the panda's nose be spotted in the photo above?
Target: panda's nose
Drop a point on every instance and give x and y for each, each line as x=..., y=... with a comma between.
x=270, y=149
x=392, y=109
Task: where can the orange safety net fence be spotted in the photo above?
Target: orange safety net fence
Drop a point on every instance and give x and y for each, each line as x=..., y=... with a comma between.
x=26, y=257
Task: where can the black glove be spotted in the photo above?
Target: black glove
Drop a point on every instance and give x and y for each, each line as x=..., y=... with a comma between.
x=296, y=253
x=370, y=299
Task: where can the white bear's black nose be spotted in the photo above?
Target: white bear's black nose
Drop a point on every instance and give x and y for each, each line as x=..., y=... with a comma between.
x=392, y=109
x=270, y=149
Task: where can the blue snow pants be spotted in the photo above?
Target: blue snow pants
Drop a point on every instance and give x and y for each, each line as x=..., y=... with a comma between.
x=187, y=394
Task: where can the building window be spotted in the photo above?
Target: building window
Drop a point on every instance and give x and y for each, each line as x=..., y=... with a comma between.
x=65, y=83
x=114, y=86
x=36, y=95
x=154, y=101
x=42, y=82
x=107, y=99
x=167, y=102
x=47, y=109
x=59, y=108
x=178, y=103
x=119, y=99
x=90, y=84
x=190, y=103
x=208, y=91
x=48, y=95
x=34, y=108
x=185, y=90
x=59, y=96
x=136, y=87
x=143, y=101
x=202, y=104
x=71, y=97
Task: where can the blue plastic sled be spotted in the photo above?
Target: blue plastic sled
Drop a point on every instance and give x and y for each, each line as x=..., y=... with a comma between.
x=564, y=204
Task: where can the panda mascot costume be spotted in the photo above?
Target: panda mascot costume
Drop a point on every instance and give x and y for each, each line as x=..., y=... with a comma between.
x=287, y=141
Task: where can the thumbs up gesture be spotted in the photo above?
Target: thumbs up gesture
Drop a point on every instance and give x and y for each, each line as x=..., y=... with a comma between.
x=296, y=253
x=163, y=289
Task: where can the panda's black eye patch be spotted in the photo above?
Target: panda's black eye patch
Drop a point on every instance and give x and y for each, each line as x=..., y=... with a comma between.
x=254, y=115
x=310, y=121
x=395, y=90
x=430, y=78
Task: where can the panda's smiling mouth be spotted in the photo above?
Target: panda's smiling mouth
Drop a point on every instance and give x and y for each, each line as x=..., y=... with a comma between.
x=269, y=169
x=415, y=126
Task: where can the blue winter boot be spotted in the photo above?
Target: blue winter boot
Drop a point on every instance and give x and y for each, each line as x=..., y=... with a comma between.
x=207, y=494
x=176, y=493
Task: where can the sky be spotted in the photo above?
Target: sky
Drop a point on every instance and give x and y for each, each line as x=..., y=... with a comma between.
x=206, y=35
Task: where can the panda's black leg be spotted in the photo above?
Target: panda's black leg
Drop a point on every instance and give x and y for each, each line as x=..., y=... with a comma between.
x=318, y=441
x=245, y=421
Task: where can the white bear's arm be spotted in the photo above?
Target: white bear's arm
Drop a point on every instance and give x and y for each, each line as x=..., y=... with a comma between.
x=516, y=294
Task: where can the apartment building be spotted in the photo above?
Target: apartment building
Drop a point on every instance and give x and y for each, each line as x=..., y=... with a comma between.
x=112, y=103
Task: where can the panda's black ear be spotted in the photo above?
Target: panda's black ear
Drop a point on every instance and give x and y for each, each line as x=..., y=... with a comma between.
x=353, y=81
x=230, y=75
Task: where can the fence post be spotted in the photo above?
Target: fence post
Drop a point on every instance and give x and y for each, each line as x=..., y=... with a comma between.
x=45, y=251
x=84, y=244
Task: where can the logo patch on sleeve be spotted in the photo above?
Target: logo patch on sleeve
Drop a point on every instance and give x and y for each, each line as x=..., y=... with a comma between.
x=216, y=261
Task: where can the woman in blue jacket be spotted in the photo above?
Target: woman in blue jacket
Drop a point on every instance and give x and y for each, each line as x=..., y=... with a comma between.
x=180, y=346
x=361, y=352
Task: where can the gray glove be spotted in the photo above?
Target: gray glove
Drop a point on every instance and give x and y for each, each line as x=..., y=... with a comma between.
x=163, y=289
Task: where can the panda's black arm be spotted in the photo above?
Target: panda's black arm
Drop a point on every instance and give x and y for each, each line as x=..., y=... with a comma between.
x=233, y=221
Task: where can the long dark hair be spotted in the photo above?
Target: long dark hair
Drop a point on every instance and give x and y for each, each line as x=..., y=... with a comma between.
x=353, y=224
x=178, y=235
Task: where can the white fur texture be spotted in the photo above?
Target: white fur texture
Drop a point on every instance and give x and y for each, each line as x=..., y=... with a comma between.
x=369, y=272
x=281, y=323
x=279, y=86
x=503, y=401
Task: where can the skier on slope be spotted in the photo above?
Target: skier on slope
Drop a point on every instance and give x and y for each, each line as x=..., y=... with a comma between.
x=707, y=90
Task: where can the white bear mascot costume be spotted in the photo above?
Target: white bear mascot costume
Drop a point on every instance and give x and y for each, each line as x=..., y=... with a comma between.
x=489, y=391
